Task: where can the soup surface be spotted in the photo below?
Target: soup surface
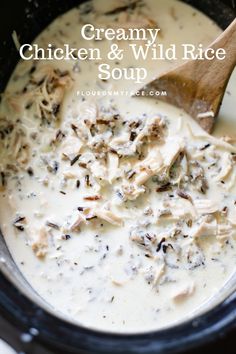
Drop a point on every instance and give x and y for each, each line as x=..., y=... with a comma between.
x=119, y=211
x=5, y=348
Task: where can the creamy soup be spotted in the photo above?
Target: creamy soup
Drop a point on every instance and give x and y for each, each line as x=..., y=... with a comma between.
x=119, y=211
x=5, y=348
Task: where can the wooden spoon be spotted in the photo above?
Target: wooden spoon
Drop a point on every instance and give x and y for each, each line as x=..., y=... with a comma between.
x=198, y=86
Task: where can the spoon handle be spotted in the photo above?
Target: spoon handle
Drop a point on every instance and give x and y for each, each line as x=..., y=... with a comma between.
x=198, y=86
x=210, y=77
x=227, y=40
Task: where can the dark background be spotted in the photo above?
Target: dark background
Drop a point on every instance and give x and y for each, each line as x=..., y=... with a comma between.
x=17, y=14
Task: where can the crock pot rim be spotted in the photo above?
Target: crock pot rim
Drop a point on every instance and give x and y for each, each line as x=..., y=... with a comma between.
x=24, y=314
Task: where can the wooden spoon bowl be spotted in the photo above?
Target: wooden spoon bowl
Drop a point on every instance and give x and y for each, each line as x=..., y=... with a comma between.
x=198, y=86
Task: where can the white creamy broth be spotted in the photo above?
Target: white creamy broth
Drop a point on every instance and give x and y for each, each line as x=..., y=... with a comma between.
x=5, y=348
x=120, y=212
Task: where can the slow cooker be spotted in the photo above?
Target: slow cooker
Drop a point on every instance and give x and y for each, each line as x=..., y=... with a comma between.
x=25, y=322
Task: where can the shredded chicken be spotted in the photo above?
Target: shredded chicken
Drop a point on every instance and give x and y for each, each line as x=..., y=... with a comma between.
x=159, y=272
x=108, y=216
x=206, y=206
x=184, y=292
x=205, y=229
x=154, y=130
x=226, y=167
x=148, y=167
x=40, y=245
x=77, y=221
x=171, y=150
x=224, y=232
x=45, y=92
x=113, y=165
